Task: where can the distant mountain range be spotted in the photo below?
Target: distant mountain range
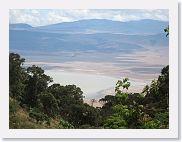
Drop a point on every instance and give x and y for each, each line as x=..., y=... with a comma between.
x=146, y=26
x=86, y=35
x=20, y=26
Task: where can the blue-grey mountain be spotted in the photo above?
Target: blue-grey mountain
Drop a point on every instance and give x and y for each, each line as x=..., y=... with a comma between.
x=146, y=26
x=84, y=35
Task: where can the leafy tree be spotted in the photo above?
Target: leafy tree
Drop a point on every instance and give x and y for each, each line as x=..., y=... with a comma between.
x=158, y=94
x=69, y=94
x=107, y=109
x=125, y=84
x=167, y=31
x=115, y=122
x=71, y=106
x=66, y=96
x=66, y=124
x=48, y=104
x=84, y=115
x=125, y=116
x=163, y=80
x=37, y=83
x=160, y=121
x=146, y=90
x=122, y=96
x=39, y=116
x=127, y=108
x=17, y=76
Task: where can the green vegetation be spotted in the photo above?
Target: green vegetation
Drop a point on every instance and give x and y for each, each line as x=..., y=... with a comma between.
x=147, y=110
x=167, y=31
x=34, y=103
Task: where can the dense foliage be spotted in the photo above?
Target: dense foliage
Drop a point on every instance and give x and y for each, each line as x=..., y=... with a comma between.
x=35, y=103
x=150, y=109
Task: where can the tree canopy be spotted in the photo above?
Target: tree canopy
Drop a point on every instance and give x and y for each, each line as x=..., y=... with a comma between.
x=34, y=101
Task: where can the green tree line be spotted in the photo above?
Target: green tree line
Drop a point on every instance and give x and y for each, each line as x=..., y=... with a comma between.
x=146, y=110
x=33, y=98
x=34, y=103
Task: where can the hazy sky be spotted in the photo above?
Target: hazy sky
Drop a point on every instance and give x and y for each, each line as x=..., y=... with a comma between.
x=37, y=17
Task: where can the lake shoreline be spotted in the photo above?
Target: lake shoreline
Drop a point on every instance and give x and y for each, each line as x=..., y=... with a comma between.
x=93, y=86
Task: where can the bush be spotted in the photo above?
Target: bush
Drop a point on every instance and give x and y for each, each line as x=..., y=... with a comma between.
x=13, y=106
x=66, y=124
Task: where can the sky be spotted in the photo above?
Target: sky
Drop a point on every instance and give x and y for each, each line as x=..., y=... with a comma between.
x=40, y=17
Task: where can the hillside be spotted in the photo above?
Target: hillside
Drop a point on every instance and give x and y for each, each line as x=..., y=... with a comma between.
x=85, y=35
x=35, y=103
x=102, y=26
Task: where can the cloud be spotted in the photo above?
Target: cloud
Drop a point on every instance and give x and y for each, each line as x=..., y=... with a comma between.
x=39, y=17
x=21, y=16
x=53, y=17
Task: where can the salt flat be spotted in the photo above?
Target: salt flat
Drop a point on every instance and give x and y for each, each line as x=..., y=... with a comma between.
x=93, y=86
x=97, y=54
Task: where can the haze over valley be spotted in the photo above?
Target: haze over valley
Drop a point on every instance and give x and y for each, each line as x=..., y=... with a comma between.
x=95, y=53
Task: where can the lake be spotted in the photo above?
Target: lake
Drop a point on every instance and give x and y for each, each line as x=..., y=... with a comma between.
x=93, y=85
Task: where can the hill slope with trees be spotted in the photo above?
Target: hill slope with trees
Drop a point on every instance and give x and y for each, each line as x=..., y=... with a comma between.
x=34, y=103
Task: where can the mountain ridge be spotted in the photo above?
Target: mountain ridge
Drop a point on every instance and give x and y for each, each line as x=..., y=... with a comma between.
x=101, y=26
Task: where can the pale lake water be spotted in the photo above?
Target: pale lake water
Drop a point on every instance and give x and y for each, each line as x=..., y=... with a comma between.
x=97, y=73
x=92, y=85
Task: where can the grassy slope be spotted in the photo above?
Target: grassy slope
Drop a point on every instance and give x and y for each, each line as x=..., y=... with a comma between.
x=19, y=119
